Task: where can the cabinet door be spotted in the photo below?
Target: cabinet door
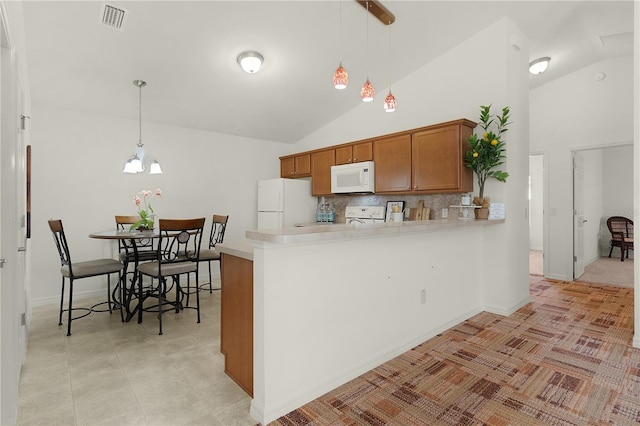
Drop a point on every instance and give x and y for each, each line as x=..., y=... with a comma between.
x=303, y=165
x=362, y=152
x=393, y=164
x=321, y=163
x=295, y=166
x=287, y=167
x=344, y=155
x=436, y=159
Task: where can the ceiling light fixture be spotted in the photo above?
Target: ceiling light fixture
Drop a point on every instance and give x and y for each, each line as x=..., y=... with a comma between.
x=138, y=161
x=378, y=10
x=367, y=92
x=390, y=100
x=539, y=65
x=250, y=61
x=340, y=75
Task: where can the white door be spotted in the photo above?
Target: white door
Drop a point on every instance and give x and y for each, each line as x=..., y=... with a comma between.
x=10, y=286
x=271, y=195
x=578, y=215
x=270, y=220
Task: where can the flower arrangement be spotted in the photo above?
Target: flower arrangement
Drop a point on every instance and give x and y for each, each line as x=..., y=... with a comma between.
x=145, y=210
x=487, y=152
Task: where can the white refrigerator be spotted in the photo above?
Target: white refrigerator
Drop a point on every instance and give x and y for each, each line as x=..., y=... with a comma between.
x=284, y=203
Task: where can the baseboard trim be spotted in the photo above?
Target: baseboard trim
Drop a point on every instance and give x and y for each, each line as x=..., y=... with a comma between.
x=509, y=311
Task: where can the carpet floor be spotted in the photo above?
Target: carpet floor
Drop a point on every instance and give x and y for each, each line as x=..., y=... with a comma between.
x=564, y=359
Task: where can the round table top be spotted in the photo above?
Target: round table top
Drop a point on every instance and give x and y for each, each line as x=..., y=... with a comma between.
x=124, y=234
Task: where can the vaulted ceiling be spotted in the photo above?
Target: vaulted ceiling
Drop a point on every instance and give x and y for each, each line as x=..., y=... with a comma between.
x=187, y=50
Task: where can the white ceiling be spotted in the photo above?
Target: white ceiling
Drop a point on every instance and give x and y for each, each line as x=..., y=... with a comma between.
x=186, y=51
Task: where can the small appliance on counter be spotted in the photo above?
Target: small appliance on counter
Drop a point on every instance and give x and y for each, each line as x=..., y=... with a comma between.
x=364, y=214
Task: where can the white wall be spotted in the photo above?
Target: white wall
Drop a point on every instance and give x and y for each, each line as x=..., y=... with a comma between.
x=76, y=177
x=536, y=171
x=571, y=113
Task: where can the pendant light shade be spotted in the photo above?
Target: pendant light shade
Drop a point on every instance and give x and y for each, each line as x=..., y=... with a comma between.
x=367, y=92
x=136, y=163
x=340, y=78
x=390, y=102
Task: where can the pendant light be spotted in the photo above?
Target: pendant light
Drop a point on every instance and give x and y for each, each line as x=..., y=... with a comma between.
x=340, y=75
x=367, y=92
x=137, y=162
x=390, y=100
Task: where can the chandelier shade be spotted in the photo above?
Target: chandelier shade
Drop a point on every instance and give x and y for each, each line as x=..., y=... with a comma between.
x=137, y=162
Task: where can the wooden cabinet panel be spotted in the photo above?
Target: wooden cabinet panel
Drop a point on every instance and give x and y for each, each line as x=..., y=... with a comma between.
x=362, y=152
x=321, y=163
x=295, y=166
x=354, y=153
x=393, y=163
x=436, y=159
x=236, y=319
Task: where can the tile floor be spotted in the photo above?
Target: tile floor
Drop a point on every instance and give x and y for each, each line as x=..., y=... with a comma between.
x=109, y=372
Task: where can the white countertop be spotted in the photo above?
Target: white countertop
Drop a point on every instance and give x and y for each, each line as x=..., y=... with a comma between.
x=318, y=233
x=240, y=248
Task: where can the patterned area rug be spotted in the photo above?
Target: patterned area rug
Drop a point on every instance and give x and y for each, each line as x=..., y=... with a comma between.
x=564, y=359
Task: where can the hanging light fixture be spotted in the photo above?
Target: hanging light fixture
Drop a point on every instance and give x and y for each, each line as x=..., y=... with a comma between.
x=390, y=100
x=340, y=75
x=367, y=92
x=137, y=162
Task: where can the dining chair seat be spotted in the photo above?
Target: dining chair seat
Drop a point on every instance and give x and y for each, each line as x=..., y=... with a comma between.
x=207, y=255
x=152, y=269
x=91, y=268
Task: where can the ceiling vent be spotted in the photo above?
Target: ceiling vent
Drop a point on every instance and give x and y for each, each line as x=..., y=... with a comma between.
x=113, y=17
x=616, y=39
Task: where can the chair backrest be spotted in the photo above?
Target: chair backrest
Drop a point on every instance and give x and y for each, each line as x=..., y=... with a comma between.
x=123, y=223
x=218, y=226
x=180, y=239
x=620, y=227
x=61, y=243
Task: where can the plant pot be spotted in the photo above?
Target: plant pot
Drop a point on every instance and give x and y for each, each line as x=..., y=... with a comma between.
x=482, y=213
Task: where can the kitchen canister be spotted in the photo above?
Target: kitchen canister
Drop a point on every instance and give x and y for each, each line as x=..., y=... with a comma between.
x=466, y=200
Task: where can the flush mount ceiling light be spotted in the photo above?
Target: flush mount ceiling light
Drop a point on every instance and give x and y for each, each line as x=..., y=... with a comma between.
x=137, y=162
x=250, y=61
x=539, y=65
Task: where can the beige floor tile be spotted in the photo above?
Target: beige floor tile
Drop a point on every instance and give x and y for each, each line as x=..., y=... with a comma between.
x=114, y=373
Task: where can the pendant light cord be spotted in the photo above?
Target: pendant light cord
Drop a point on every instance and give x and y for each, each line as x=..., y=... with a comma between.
x=140, y=115
x=367, y=51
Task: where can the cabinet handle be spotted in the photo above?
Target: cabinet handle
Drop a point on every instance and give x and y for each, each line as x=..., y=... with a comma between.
x=415, y=187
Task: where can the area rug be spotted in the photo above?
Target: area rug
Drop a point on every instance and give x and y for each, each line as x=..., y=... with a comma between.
x=564, y=359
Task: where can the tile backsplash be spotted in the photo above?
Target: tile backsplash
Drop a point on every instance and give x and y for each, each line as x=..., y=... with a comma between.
x=435, y=202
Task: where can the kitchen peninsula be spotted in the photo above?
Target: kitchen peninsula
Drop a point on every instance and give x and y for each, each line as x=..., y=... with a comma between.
x=332, y=302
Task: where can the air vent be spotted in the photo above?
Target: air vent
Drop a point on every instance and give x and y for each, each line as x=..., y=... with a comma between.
x=113, y=17
x=616, y=38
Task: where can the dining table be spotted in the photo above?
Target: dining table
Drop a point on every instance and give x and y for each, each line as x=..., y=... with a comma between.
x=128, y=292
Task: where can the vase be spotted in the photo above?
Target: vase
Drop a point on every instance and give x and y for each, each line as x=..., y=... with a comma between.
x=482, y=213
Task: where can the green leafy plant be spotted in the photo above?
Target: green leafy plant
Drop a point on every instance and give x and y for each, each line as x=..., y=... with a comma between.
x=487, y=152
x=145, y=210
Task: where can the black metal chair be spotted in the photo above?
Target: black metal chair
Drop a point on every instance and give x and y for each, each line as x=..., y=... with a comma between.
x=218, y=227
x=621, y=230
x=79, y=270
x=176, y=254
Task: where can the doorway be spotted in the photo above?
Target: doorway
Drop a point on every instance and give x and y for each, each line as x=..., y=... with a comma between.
x=602, y=187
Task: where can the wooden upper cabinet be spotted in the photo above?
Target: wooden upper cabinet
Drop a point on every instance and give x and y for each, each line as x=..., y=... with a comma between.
x=295, y=166
x=321, y=163
x=354, y=153
x=393, y=163
x=438, y=159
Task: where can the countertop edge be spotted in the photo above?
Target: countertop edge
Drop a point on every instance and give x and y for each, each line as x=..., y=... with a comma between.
x=241, y=248
x=345, y=231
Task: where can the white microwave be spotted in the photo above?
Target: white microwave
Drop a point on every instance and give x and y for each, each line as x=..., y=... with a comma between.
x=353, y=177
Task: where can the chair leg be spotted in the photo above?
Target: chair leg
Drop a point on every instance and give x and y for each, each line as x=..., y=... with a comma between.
x=109, y=292
x=121, y=285
x=610, y=250
x=61, y=300
x=160, y=306
x=198, y=295
x=622, y=250
x=210, y=280
x=70, y=305
x=140, y=298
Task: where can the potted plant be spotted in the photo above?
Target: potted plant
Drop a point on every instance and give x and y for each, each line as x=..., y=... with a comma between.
x=486, y=153
x=146, y=222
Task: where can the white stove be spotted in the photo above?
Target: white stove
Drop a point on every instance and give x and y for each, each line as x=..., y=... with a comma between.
x=364, y=214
